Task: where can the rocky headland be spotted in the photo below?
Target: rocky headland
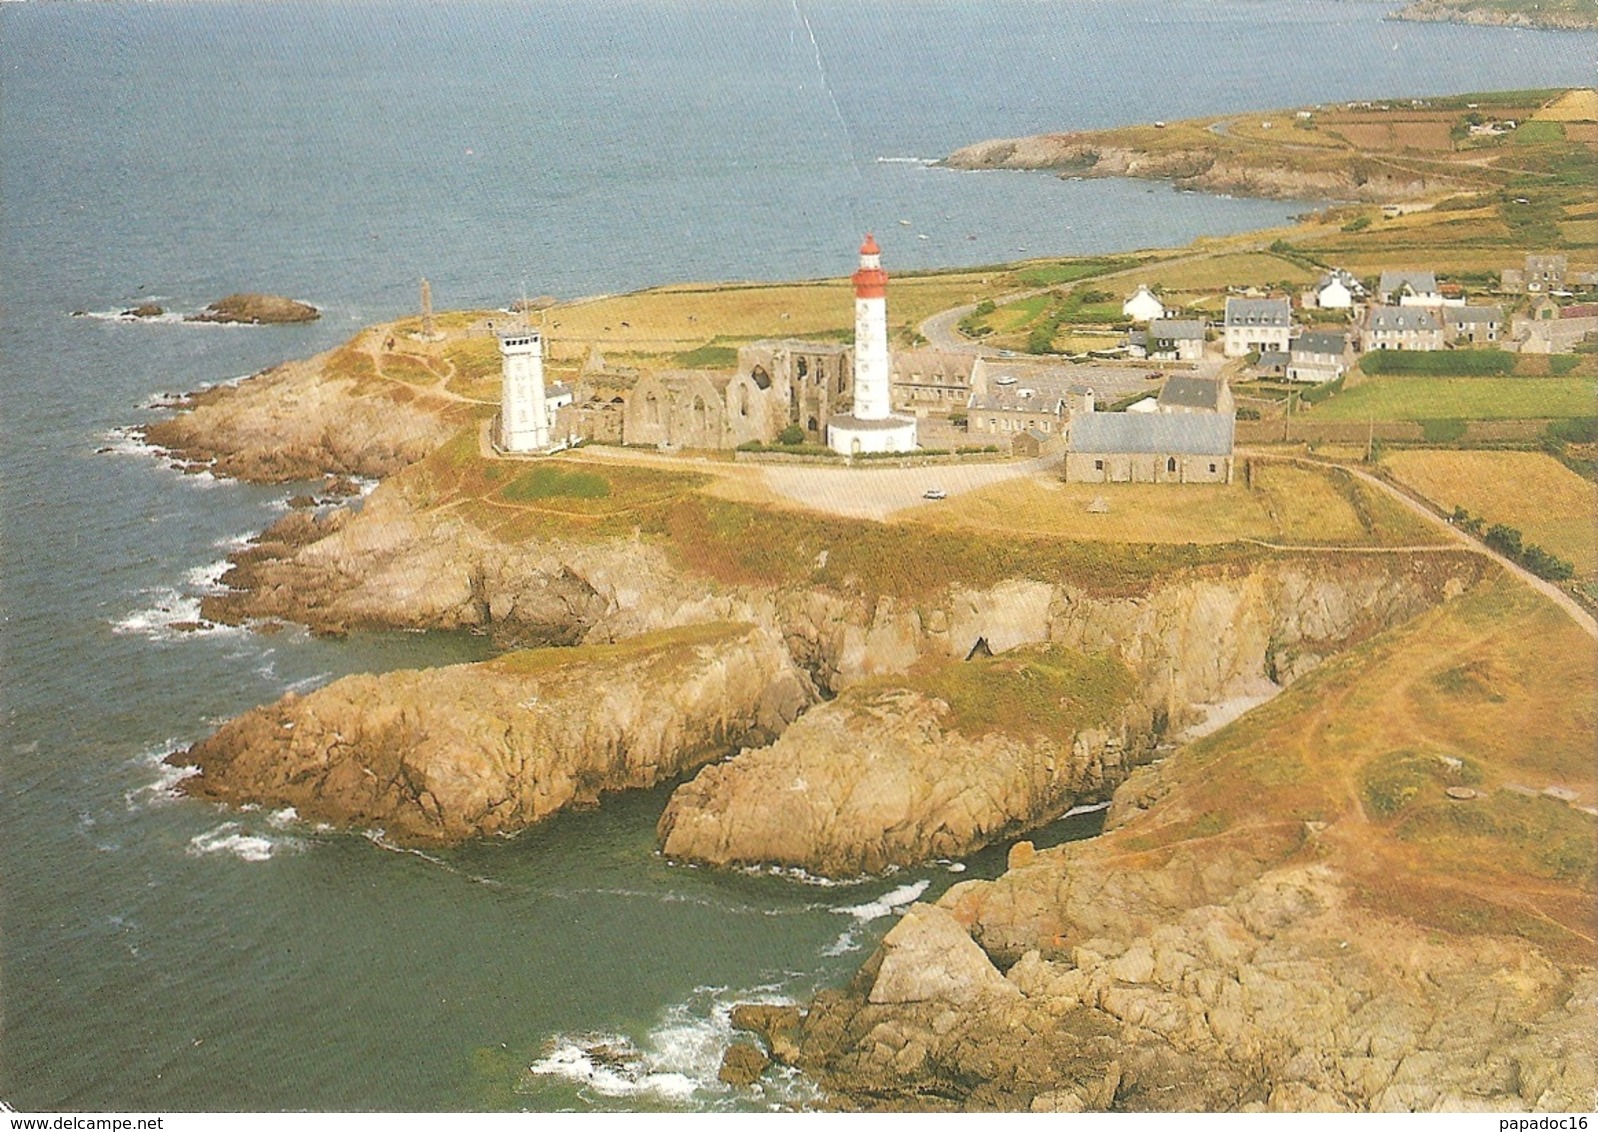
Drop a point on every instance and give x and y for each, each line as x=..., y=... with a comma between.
x=1568, y=16
x=306, y=419
x=889, y=776
x=1267, y=923
x=256, y=309
x=929, y=749
x=479, y=749
x=1204, y=168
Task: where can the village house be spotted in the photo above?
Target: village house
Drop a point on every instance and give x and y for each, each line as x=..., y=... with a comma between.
x=930, y=380
x=1336, y=290
x=1401, y=328
x=1545, y=274
x=1552, y=329
x=1319, y=356
x=1475, y=325
x=1143, y=305
x=1196, y=395
x=1168, y=340
x=1150, y=448
x=1255, y=326
x=1408, y=289
x=1007, y=406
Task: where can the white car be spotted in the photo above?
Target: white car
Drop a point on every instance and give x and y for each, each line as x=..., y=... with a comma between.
x=934, y=493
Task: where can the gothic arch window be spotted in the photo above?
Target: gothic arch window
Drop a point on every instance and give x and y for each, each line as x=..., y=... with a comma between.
x=840, y=379
x=760, y=377
x=651, y=408
x=811, y=424
x=804, y=368
x=1170, y=464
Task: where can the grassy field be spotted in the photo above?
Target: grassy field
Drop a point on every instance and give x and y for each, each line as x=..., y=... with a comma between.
x=1288, y=503
x=1034, y=691
x=1219, y=272
x=1547, y=502
x=1494, y=691
x=1460, y=398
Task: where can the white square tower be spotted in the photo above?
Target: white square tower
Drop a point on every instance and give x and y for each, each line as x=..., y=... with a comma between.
x=523, y=412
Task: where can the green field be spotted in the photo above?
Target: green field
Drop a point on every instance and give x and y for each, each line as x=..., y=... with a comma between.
x=1461, y=398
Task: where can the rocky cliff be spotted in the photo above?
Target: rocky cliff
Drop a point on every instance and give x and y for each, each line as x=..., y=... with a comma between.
x=883, y=778
x=1302, y=911
x=469, y=750
x=1280, y=995
x=1199, y=635
x=306, y=419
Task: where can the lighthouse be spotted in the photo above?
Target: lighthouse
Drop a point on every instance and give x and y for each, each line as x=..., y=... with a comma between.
x=523, y=412
x=871, y=426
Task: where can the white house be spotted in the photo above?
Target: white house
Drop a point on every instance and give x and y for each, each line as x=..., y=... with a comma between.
x=1409, y=289
x=1257, y=326
x=1143, y=305
x=1337, y=290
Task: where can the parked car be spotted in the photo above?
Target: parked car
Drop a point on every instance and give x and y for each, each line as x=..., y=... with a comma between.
x=934, y=493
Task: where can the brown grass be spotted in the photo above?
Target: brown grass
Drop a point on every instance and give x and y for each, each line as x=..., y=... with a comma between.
x=1550, y=504
x=1288, y=503
x=1500, y=681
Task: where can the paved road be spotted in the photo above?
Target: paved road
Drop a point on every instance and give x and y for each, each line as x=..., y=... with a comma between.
x=1458, y=538
x=941, y=330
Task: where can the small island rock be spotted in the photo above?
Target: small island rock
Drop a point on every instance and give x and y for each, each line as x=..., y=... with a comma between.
x=261, y=309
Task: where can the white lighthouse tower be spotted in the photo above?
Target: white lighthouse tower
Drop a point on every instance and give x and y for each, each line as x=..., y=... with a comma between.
x=523, y=412
x=871, y=427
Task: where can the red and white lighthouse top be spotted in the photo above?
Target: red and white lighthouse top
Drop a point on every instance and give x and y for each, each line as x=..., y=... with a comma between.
x=870, y=282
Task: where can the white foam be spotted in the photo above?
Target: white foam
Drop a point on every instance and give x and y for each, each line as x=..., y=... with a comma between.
x=208, y=578
x=886, y=904
x=677, y=1061
x=121, y=314
x=907, y=161
x=229, y=838
x=172, y=616
x=622, y=1078
x=125, y=441
x=845, y=943
x=1090, y=808
x=164, y=788
x=282, y=819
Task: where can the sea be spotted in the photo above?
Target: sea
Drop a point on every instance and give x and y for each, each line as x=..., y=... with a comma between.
x=159, y=953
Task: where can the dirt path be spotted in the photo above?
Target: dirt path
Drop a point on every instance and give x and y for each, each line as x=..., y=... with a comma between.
x=1456, y=538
